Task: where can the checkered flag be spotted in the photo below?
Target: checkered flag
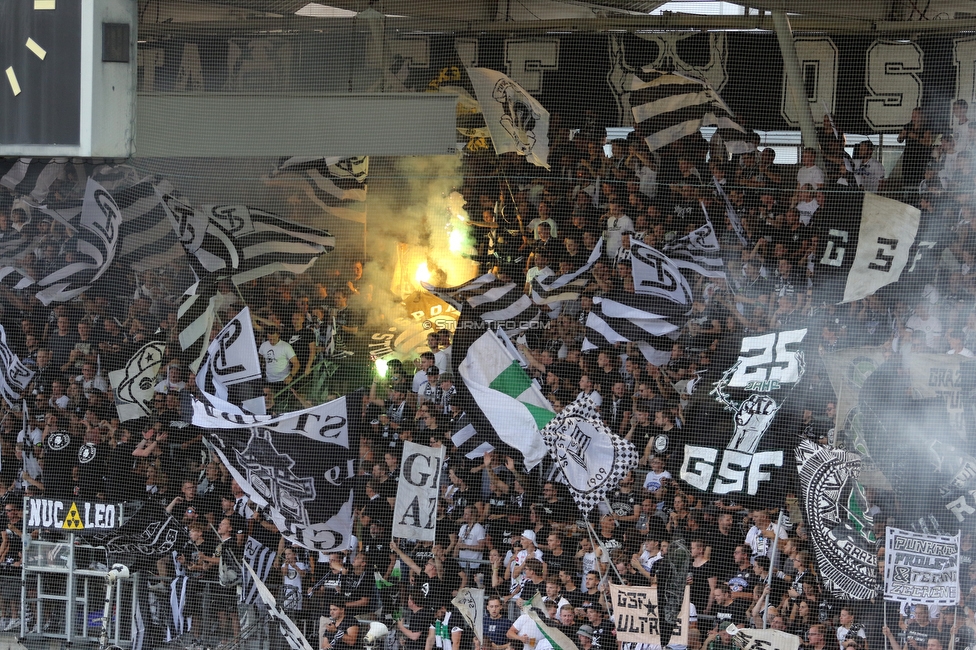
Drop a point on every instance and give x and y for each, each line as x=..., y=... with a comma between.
x=591, y=458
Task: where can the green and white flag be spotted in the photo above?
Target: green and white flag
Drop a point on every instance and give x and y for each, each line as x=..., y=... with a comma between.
x=512, y=404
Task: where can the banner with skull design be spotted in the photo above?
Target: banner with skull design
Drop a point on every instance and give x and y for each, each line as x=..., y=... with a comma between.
x=745, y=454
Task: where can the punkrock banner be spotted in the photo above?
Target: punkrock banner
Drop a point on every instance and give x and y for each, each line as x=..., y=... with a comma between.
x=637, y=618
x=135, y=383
x=748, y=639
x=591, y=458
x=835, y=512
x=746, y=451
x=415, y=510
x=922, y=569
x=298, y=465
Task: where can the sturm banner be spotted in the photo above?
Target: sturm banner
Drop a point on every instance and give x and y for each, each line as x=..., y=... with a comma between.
x=637, y=617
x=921, y=569
x=415, y=511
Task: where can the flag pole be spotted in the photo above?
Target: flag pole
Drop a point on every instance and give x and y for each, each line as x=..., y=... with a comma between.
x=772, y=563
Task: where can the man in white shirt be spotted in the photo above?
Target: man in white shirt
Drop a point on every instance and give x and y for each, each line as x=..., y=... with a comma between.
x=961, y=130
x=281, y=365
x=809, y=172
x=617, y=223
x=868, y=170
x=763, y=531
x=471, y=541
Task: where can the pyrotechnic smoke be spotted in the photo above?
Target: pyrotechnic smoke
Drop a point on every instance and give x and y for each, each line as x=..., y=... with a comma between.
x=416, y=230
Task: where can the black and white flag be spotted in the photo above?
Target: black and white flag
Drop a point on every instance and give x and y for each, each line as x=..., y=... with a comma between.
x=195, y=320
x=655, y=274
x=289, y=631
x=337, y=185
x=731, y=214
x=591, y=457
x=557, y=289
x=516, y=120
x=647, y=321
x=245, y=243
x=148, y=239
x=698, y=252
x=231, y=368
x=31, y=177
x=97, y=229
x=14, y=375
x=865, y=244
x=835, y=512
x=745, y=450
x=470, y=603
x=415, y=509
x=260, y=559
x=668, y=106
x=150, y=530
x=492, y=300
x=300, y=466
x=134, y=384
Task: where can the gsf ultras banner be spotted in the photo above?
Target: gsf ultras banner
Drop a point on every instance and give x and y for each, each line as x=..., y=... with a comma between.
x=637, y=619
x=921, y=568
x=415, y=511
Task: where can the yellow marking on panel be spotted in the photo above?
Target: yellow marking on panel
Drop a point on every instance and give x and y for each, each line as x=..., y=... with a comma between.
x=44, y=5
x=36, y=49
x=12, y=78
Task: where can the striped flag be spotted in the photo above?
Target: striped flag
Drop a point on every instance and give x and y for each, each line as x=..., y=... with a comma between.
x=501, y=401
x=260, y=558
x=148, y=238
x=698, y=251
x=611, y=322
x=337, y=185
x=97, y=228
x=731, y=214
x=14, y=375
x=245, y=243
x=516, y=120
x=134, y=383
x=656, y=276
x=195, y=319
x=32, y=177
x=492, y=300
x=669, y=106
x=553, y=291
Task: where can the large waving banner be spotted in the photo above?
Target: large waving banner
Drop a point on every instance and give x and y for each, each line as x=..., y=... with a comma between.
x=922, y=569
x=299, y=465
x=135, y=383
x=637, y=617
x=763, y=639
x=747, y=453
x=415, y=510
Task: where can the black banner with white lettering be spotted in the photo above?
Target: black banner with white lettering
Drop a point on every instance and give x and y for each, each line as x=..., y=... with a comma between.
x=868, y=84
x=744, y=451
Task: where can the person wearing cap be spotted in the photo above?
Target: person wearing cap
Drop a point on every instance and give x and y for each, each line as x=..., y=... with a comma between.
x=585, y=635
x=338, y=631
x=529, y=550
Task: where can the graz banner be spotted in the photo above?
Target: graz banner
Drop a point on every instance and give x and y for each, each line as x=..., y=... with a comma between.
x=763, y=639
x=637, y=617
x=415, y=511
x=835, y=511
x=921, y=569
x=72, y=516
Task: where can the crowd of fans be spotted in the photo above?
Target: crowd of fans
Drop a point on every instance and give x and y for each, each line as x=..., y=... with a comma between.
x=512, y=533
